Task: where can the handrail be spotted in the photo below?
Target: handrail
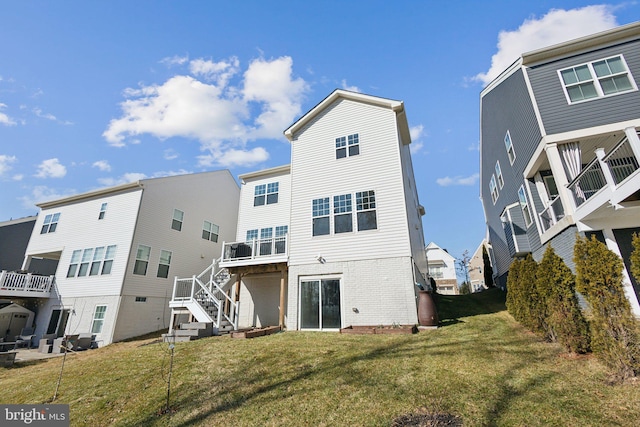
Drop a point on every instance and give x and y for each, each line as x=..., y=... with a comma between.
x=26, y=282
x=588, y=182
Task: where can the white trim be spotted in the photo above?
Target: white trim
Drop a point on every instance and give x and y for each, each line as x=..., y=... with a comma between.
x=319, y=278
x=534, y=102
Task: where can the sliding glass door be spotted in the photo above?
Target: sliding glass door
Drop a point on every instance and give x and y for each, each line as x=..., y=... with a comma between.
x=320, y=304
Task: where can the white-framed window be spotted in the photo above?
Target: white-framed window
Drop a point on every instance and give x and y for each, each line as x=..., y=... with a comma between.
x=103, y=211
x=210, y=231
x=142, y=260
x=91, y=261
x=98, y=319
x=178, y=217
x=604, y=77
x=499, y=175
x=266, y=193
x=319, y=303
x=281, y=243
x=141, y=299
x=282, y=230
x=509, y=147
x=252, y=235
x=436, y=271
x=366, y=208
x=50, y=223
x=342, y=217
x=164, y=263
x=320, y=211
x=347, y=146
x=524, y=205
x=493, y=188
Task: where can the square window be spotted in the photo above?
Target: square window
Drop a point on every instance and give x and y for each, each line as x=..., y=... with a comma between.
x=259, y=195
x=50, y=223
x=252, y=235
x=210, y=231
x=347, y=146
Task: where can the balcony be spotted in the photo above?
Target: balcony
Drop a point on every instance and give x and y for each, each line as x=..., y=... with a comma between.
x=552, y=214
x=609, y=179
x=254, y=252
x=25, y=285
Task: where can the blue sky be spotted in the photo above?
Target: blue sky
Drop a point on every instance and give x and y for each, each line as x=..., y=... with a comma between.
x=94, y=94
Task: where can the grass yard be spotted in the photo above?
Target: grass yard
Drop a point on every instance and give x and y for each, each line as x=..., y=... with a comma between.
x=480, y=366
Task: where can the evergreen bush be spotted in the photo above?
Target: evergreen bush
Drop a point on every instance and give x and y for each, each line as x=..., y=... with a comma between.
x=635, y=257
x=513, y=291
x=615, y=336
x=563, y=320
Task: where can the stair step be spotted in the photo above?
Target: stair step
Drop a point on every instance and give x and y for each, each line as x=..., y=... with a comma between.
x=171, y=338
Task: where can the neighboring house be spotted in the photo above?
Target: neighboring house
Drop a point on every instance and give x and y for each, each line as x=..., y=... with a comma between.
x=442, y=268
x=476, y=269
x=14, y=238
x=333, y=240
x=118, y=250
x=560, y=151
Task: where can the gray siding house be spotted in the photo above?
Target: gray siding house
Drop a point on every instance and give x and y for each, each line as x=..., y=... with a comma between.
x=560, y=151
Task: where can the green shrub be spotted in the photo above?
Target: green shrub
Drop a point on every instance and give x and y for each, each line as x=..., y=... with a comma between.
x=562, y=319
x=533, y=308
x=635, y=257
x=513, y=291
x=615, y=337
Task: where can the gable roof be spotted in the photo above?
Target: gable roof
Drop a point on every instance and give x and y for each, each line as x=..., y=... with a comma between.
x=396, y=106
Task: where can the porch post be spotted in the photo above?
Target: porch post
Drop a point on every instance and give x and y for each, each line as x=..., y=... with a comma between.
x=283, y=277
x=238, y=279
x=559, y=175
x=605, y=169
x=634, y=141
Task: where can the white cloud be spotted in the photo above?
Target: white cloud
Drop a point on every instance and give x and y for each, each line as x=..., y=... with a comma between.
x=170, y=154
x=103, y=165
x=5, y=163
x=218, y=115
x=4, y=119
x=458, y=180
x=43, y=193
x=345, y=86
x=174, y=60
x=17, y=177
x=556, y=26
x=51, y=168
x=124, y=179
x=415, y=147
x=232, y=157
x=416, y=132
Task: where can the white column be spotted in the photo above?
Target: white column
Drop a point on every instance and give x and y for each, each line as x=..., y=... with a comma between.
x=611, y=183
x=634, y=141
x=559, y=175
x=612, y=244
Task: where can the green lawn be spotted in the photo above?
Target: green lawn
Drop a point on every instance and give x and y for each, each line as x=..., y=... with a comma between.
x=480, y=366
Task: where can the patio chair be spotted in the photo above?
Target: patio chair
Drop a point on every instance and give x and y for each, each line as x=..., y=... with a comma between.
x=86, y=341
x=25, y=337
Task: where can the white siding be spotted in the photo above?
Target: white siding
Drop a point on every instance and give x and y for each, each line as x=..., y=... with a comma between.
x=256, y=217
x=259, y=300
x=80, y=228
x=210, y=196
x=317, y=173
x=82, y=312
x=138, y=318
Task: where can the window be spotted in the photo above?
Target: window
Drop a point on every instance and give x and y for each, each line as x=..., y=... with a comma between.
x=437, y=272
x=266, y=238
x=98, y=319
x=142, y=260
x=92, y=261
x=87, y=256
x=524, y=206
x=347, y=146
x=266, y=192
x=320, y=208
x=366, y=207
x=73, y=266
x=103, y=211
x=499, y=175
x=141, y=299
x=281, y=242
x=163, y=265
x=50, y=223
x=178, y=216
x=596, y=79
x=509, y=146
x=210, y=231
x=493, y=189
x=252, y=235
x=342, y=221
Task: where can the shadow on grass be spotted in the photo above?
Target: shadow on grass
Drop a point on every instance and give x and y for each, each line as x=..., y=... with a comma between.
x=453, y=307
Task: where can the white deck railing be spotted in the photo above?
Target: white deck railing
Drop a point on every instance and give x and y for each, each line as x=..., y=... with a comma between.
x=25, y=284
x=552, y=214
x=254, y=249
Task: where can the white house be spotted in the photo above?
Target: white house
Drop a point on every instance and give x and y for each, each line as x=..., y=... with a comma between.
x=442, y=268
x=119, y=248
x=476, y=268
x=334, y=239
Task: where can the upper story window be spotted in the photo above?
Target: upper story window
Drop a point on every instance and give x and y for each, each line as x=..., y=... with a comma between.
x=178, y=217
x=366, y=207
x=282, y=230
x=499, y=175
x=320, y=210
x=596, y=79
x=342, y=218
x=91, y=261
x=103, y=211
x=524, y=205
x=163, y=264
x=347, y=146
x=50, y=223
x=210, y=231
x=493, y=189
x=509, y=146
x=252, y=235
x=142, y=260
x=266, y=193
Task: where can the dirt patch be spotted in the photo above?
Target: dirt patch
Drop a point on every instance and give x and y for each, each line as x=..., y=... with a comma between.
x=427, y=419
